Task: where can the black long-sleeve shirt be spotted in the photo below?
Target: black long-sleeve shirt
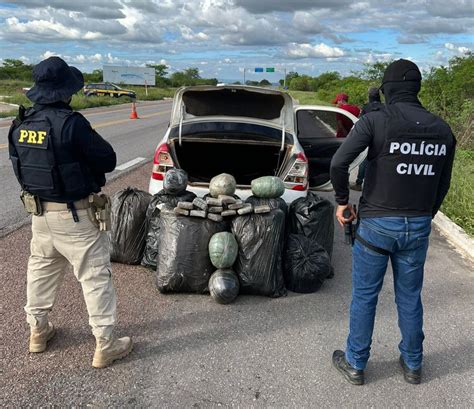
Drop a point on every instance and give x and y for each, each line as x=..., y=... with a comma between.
x=91, y=149
x=368, y=132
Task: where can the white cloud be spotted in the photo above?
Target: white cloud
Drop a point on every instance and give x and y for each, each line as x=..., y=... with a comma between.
x=48, y=54
x=378, y=57
x=313, y=51
x=188, y=34
x=459, y=50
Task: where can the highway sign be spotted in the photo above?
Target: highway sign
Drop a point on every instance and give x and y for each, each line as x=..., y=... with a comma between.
x=129, y=75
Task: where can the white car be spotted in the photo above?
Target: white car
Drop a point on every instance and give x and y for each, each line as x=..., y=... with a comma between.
x=248, y=132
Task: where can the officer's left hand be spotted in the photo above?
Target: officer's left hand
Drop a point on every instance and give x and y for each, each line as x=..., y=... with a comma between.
x=340, y=214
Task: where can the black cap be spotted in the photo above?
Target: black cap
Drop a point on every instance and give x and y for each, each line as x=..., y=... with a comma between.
x=401, y=70
x=54, y=81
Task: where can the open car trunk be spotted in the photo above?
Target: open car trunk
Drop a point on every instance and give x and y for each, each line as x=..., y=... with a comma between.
x=203, y=159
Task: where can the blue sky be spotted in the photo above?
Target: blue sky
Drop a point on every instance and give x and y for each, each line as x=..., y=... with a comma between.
x=221, y=37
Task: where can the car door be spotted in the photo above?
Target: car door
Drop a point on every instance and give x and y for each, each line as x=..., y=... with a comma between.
x=321, y=130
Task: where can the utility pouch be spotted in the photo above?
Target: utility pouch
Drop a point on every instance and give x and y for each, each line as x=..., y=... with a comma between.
x=100, y=211
x=31, y=203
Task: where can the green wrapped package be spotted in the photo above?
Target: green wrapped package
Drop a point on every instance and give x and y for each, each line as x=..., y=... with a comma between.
x=268, y=187
x=223, y=250
x=223, y=184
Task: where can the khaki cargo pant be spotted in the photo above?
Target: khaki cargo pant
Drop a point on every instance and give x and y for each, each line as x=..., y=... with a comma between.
x=58, y=241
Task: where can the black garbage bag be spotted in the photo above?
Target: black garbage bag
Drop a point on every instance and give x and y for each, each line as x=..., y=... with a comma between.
x=261, y=238
x=313, y=217
x=306, y=264
x=182, y=261
x=274, y=203
x=160, y=201
x=128, y=225
x=175, y=182
x=224, y=286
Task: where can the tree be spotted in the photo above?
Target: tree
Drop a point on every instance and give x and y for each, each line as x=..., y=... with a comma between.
x=94, y=76
x=324, y=80
x=192, y=73
x=290, y=76
x=13, y=69
x=161, y=70
x=265, y=83
x=373, y=72
x=12, y=63
x=300, y=83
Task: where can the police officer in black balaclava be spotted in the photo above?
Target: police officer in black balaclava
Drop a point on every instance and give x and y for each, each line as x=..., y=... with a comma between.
x=409, y=165
x=374, y=104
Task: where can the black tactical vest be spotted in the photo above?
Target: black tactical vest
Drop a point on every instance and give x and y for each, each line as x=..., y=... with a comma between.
x=44, y=163
x=405, y=175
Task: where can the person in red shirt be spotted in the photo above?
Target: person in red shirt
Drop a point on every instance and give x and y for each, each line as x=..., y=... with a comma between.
x=344, y=124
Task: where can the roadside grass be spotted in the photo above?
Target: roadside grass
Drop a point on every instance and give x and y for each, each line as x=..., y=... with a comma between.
x=306, y=98
x=11, y=92
x=154, y=93
x=10, y=87
x=459, y=202
x=458, y=205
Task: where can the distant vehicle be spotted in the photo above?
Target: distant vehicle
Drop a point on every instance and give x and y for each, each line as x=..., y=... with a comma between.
x=107, y=88
x=248, y=132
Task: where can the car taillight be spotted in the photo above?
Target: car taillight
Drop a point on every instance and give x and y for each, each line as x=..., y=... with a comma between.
x=162, y=162
x=297, y=177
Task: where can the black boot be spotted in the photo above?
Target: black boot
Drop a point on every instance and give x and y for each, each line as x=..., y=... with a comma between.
x=412, y=376
x=354, y=376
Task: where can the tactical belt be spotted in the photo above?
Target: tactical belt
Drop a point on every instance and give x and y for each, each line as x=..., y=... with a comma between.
x=371, y=246
x=59, y=207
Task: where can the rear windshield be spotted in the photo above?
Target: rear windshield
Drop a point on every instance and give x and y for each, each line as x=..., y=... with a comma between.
x=233, y=102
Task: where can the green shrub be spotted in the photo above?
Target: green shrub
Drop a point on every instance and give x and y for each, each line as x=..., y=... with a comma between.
x=458, y=204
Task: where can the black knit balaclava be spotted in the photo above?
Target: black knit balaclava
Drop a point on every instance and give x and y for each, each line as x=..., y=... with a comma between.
x=401, y=82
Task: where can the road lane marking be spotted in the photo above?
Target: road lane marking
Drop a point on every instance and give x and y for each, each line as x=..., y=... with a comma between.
x=7, y=123
x=104, y=124
x=130, y=163
x=86, y=114
x=122, y=121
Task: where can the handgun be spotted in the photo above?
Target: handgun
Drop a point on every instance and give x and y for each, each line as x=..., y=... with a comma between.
x=349, y=231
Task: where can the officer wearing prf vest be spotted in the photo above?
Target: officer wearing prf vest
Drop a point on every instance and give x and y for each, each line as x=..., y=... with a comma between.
x=60, y=162
x=410, y=159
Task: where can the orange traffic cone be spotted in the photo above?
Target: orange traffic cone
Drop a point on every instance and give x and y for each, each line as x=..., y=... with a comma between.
x=133, y=114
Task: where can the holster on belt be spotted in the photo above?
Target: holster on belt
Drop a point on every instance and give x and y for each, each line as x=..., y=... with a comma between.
x=31, y=203
x=100, y=211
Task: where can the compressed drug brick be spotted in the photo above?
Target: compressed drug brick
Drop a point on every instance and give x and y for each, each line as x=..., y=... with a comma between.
x=200, y=203
x=215, y=217
x=198, y=213
x=262, y=209
x=211, y=201
x=180, y=211
x=226, y=213
x=227, y=199
x=236, y=206
x=215, y=209
x=186, y=205
x=245, y=210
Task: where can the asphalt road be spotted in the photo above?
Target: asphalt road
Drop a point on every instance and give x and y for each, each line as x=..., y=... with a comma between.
x=131, y=139
x=257, y=352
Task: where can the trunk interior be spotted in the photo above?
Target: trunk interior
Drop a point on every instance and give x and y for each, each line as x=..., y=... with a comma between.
x=245, y=161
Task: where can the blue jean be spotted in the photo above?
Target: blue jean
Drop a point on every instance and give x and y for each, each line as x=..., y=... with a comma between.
x=406, y=238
